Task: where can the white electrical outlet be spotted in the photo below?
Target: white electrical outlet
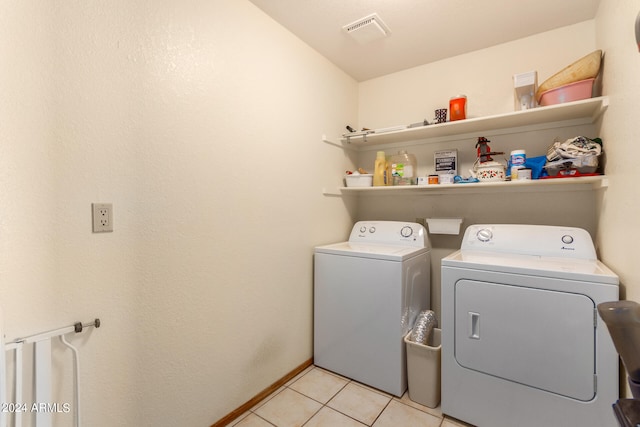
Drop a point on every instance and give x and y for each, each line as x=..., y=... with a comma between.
x=102, y=214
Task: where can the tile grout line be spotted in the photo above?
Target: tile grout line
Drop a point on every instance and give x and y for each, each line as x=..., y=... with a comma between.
x=314, y=414
x=323, y=405
x=383, y=409
x=326, y=405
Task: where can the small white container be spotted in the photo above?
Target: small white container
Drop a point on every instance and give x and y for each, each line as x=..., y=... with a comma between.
x=524, y=173
x=446, y=178
x=518, y=160
x=359, y=180
x=525, y=86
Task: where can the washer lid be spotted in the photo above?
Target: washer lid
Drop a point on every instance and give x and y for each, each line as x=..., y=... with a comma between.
x=531, y=265
x=375, y=251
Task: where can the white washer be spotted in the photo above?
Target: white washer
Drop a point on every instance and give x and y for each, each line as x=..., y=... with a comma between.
x=522, y=344
x=367, y=294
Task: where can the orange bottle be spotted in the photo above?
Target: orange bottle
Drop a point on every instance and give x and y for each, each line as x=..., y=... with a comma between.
x=458, y=108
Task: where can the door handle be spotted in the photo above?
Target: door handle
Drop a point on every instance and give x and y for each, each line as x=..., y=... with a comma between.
x=474, y=325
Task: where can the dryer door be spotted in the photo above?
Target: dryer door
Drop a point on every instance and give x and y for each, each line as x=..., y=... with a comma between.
x=536, y=337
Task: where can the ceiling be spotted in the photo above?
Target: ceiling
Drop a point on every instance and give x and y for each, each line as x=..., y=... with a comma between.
x=421, y=31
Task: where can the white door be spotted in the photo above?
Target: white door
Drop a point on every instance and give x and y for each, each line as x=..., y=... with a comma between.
x=536, y=337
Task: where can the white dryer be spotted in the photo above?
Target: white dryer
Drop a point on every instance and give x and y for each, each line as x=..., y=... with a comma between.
x=522, y=344
x=367, y=294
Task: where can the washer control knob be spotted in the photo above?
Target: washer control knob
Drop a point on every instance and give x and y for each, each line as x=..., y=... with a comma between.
x=363, y=229
x=406, y=231
x=567, y=239
x=372, y=230
x=484, y=235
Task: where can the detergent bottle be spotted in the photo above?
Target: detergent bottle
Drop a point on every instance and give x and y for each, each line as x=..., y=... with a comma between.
x=380, y=170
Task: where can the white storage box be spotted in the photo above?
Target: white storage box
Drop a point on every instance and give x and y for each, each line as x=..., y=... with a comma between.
x=361, y=180
x=423, y=369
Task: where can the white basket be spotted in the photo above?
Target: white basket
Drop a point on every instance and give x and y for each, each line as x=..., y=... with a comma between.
x=361, y=180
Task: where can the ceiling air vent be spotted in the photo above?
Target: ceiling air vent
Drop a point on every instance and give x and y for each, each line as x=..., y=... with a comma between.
x=367, y=29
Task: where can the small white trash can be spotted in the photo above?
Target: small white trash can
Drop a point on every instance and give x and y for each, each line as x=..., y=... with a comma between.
x=423, y=369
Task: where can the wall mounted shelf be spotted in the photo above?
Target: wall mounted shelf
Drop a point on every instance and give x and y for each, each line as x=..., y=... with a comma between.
x=585, y=183
x=571, y=113
x=575, y=113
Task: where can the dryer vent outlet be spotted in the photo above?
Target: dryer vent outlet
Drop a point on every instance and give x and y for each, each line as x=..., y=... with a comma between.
x=367, y=29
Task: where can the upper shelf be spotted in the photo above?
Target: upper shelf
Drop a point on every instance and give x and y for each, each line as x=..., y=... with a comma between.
x=579, y=112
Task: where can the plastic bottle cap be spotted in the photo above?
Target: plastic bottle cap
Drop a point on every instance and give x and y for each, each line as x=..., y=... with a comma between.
x=516, y=152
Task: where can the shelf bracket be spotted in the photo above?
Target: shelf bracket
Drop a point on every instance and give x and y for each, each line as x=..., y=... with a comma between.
x=335, y=144
x=330, y=193
x=603, y=183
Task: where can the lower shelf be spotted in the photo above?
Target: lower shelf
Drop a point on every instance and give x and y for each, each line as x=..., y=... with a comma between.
x=586, y=183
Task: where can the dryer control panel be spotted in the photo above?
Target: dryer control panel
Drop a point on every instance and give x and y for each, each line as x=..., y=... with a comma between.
x=389, y=233
x=535, y=240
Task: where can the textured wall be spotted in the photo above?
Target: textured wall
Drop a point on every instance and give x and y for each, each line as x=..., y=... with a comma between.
x=201, y=122
x=620, y=206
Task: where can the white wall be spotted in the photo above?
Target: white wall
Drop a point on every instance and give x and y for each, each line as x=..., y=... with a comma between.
x=619, y=227
x=486, y=77
x=201, y=122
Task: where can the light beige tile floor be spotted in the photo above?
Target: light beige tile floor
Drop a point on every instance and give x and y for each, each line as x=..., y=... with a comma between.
x=319, y=398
